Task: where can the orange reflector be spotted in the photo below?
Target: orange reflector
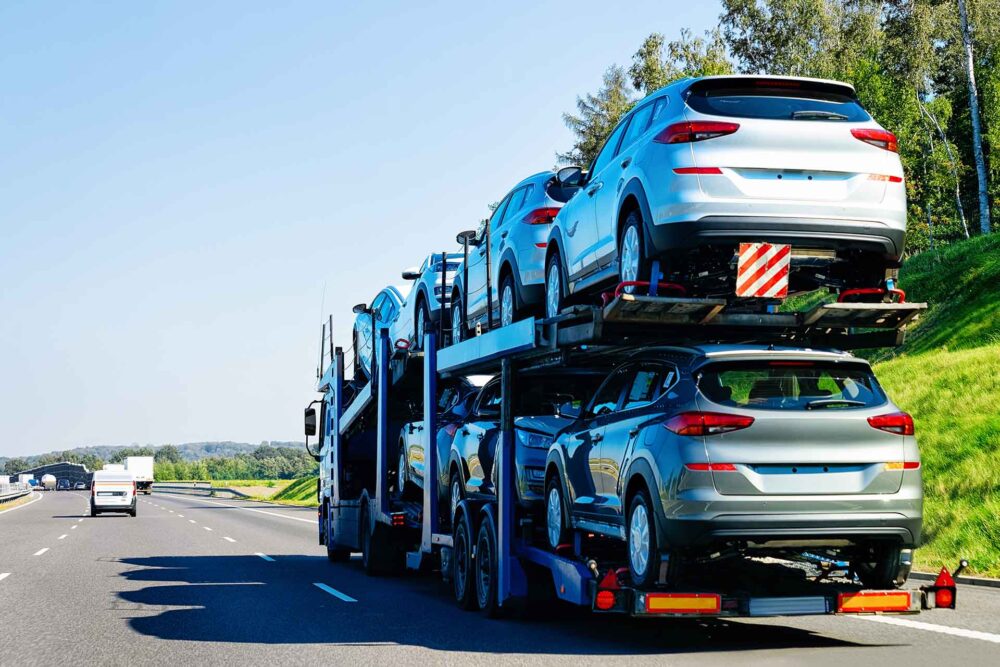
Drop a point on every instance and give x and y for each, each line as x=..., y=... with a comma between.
x=683, y=603
x=870, y=601
x=605, y=600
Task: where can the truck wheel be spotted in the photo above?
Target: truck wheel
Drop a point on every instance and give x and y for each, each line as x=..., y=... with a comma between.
x=878, y=567
x=643, y=549
x=486, y=570
x=556, y=517
x=368, y=559
x=334, y=554
x=462, y=564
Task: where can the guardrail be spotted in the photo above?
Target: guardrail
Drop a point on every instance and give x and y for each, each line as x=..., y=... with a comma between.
x=198, y=489
x=9, y=491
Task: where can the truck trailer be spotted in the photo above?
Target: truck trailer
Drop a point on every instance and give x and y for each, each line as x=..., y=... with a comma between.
x=493, y=553
x=141, y=468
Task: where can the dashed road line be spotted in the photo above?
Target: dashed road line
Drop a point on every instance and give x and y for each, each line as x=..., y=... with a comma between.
x=933, y=627
x=265, y=557
x=250, y=509
x=334, y=592
x=4, y=575
x=181, y=515
x=192, y=521
x=228, y=539
x=63, y=536
x=72, y=527
x=206, y=528
x=41, y=551
x=79, y=520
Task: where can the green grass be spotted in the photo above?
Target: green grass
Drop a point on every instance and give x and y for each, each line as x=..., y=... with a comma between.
x=299, y=492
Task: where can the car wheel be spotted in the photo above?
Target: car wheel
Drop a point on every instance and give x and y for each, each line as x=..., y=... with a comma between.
x=402, y=477
x=878, y=566
x=556, y=516
x=508, y=301
x=457, y=323
x=457, y=494
x=486, y=568
x=643, y=550
x=420, y=330
x=631, y=257
x=553, y=286
x=462, y=564
x=132, y=512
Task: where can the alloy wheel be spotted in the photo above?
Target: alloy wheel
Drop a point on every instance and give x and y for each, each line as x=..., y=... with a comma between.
x=630, y=257
x=507, y=305
x=456, y=496
x=638, y=544
x=553, y=516
x=553, y=285
x=421, y=327
x=456, y=323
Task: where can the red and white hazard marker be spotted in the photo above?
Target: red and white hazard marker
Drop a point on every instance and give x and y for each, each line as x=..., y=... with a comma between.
x=762, y=270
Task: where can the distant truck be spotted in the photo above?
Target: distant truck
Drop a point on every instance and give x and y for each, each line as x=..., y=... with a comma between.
x=24, y=478
x=141, y=468
x=114, y=467
x=48, y=482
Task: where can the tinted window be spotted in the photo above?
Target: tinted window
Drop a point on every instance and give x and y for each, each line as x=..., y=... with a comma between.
x=489, y=400
x=497, y=218
x=791, y=385
x=647, y=384
x=385, y=308
x=537, y=396
x=608, y=151
x=519, y=202
x=658, y=109
x=784, y=103
x=607, y=398
x=636, y=126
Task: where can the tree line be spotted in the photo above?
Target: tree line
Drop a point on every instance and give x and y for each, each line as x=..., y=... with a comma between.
x=927, y=70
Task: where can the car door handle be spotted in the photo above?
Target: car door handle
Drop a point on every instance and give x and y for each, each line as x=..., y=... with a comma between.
x=626, y=162
x=596, y=437
x=503, y=235
x=464, y=431
x=592, y=190
x=634, y=432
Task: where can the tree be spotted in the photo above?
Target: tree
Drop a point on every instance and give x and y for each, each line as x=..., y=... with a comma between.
x=658, y=62
x=15, y=465
x=168, y=454
x=597, y=116
x=977, y=130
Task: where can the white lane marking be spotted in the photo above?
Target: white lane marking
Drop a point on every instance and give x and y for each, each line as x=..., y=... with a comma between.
x=311, y=522
x=265, y=557
x=72, y=527
x=206, y=528
x=192, y=521
x=63, y=536
x=933, y=627
x=79, y=520
x=4, y=575
x=171, y=511
x=334, y=592
x=41, y=551
x=181, y=515
x=37, y=496
x=228, y=539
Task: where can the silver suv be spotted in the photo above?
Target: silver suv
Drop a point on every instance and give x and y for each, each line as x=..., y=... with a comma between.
x=731, y=451
x=515, y=239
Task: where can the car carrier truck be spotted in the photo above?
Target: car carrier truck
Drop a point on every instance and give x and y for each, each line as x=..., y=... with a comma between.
x=494, y=553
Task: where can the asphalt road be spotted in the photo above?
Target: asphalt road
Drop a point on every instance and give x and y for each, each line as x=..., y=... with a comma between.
x=204, y=581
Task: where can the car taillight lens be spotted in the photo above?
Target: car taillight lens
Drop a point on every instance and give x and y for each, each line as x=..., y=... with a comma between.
x=879, y=138
x=706, y=423
x=710, y=467
x=542, y=216
x=683, y=133
x=899, y=423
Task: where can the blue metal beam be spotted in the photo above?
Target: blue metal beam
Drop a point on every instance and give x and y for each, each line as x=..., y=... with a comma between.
x=513, y=338
x=430, y=524
x=381, y=389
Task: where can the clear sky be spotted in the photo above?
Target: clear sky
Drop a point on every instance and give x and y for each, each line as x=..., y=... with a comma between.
x=180, y=180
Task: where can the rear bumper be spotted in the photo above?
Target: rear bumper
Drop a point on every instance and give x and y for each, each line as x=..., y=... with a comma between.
x=790, y=530
x=832, y=234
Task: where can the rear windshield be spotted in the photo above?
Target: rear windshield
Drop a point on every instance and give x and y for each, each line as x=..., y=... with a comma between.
x=790, y=100
x=791, y=385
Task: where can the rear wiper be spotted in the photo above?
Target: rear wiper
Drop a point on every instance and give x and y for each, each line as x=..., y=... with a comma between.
x=824, y=402
x=817, y=114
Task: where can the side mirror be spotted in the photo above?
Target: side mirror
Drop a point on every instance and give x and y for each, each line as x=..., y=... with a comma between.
x=413, y=273
x=310, y=421
x=570, y=177
x=468, y=236
x=360, y=308
x=567, y=410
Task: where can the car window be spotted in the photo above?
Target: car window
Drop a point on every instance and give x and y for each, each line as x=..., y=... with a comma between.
x=644, y=386
x=497, y=218
x=776, y=100
x=607, y=397
x=791, y=385
x=658, y=108
x=541, y=395
x=518, y=202
x=636, y=126
x=386, y=309
x=609, y=150
x=489, y=400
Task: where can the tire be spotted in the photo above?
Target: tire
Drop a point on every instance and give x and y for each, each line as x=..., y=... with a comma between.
x=878, y=566
x=403, y=485
x=555, y=292
x=368, y=559
x=462, y=565
x=632, y=263
x=334, y=554
x=508, y=301
x=457, y=323
x=132, y=512
x=456, y=494
x=485, y=567
x=641, y=545
x=555, y=509
x=93, y=511
x=423, y=318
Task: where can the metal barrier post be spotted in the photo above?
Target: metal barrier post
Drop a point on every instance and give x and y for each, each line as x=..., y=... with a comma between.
x=505, y=482
x=382, y=445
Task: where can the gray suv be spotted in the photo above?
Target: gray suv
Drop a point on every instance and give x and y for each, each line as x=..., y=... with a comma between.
x=708, y=451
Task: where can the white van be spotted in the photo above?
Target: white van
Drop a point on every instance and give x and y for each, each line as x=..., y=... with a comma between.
x=112, y=491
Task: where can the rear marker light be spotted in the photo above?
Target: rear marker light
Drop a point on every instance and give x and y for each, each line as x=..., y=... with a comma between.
x=878, y=138
x=541, y=216
x=944, y=590
x=710, y=467
x=872, y=601
x=902, y=465
x=899, y=423
x=703, y=171
x=683, y=603
x=605, y=600
x=684, y=133
x=885, y=177
x=541, y=245
x=706, y=423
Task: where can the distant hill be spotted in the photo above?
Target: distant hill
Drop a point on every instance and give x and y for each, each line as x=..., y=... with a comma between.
x=191, y=451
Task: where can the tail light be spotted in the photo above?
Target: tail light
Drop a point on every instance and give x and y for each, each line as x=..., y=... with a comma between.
x=686, y=132
x=703, y=171
x=541, y=216
x=899, y=423
x=878, y=138
x=710, y=467
x=133, y=488
x=706, y=423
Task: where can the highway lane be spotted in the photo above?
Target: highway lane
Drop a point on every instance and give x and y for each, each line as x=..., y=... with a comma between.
x=159, y=588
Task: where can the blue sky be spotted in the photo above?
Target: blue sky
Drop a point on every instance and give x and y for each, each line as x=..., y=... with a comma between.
x=180, y=181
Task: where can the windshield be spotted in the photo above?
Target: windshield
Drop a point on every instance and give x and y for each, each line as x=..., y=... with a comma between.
x=790, y=101
x=791, y=385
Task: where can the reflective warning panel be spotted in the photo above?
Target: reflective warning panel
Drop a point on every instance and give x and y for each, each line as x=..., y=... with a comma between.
x=762, y=270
